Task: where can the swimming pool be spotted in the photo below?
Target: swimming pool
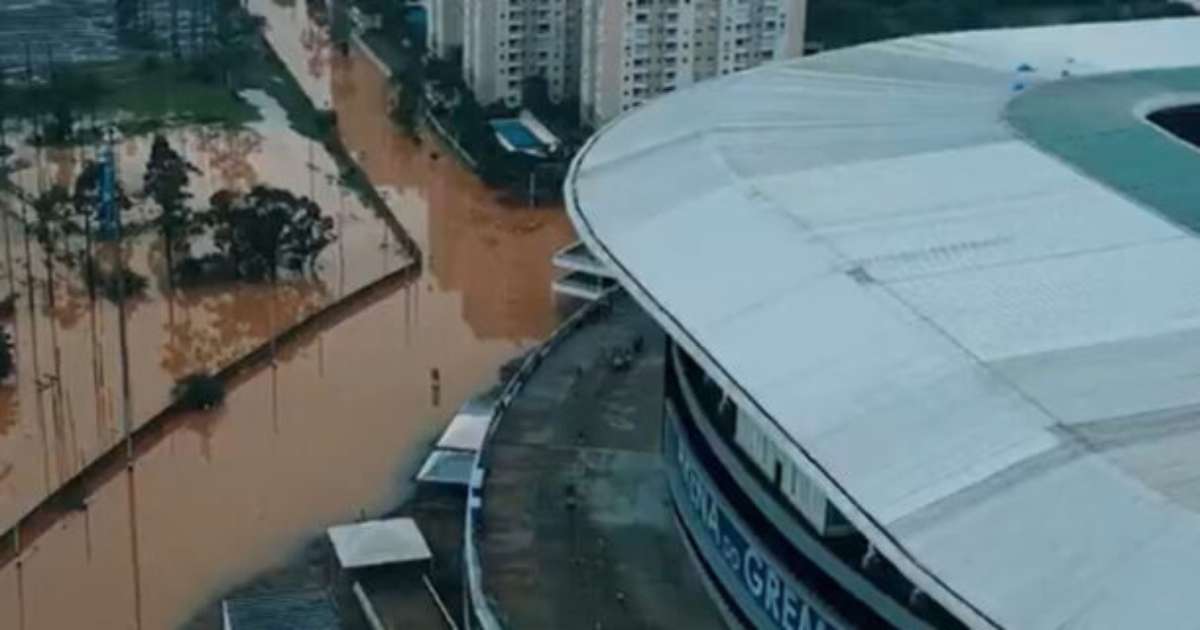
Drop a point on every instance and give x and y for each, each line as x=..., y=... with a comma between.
x=517, y=134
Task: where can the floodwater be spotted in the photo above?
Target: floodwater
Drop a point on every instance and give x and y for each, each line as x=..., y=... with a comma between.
x=66, y=408
x=330, y=431
x=302, y=44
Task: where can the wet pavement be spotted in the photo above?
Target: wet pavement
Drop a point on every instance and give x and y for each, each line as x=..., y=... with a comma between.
x=330, y=432
x=577, y=529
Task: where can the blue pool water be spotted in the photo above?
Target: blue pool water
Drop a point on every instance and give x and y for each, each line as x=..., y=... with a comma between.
x=517, y=134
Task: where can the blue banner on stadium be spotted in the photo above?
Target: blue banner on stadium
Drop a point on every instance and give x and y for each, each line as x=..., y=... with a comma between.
x=758, y=578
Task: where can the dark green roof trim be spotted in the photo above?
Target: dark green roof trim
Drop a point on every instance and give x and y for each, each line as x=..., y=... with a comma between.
x=1097, y=125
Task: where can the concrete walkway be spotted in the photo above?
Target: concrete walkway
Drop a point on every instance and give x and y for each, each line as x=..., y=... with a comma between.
x=577, y=530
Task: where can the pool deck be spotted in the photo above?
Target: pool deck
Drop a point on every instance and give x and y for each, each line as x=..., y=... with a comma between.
x=577, y=529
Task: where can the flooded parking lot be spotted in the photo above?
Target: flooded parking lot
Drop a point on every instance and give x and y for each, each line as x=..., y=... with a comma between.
x=331, y=430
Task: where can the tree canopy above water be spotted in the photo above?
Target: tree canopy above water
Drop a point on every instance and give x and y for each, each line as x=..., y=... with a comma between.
x=166, y=182
x=268, y=229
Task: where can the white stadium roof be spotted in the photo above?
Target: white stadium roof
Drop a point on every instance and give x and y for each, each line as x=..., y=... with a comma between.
x=986, y=352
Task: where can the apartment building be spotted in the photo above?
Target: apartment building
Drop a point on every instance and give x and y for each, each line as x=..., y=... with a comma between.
x=445, y=26
x=610, y=55
x=506, y=41
x=634, y=50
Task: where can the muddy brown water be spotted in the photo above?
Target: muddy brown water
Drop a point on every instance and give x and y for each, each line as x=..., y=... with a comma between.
x=65, y=406
x=328, y=433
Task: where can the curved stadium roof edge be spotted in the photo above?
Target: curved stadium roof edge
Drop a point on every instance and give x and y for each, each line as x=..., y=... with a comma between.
x=956, y=276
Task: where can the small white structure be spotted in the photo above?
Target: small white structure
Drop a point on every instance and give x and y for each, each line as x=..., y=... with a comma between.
x=376, y=543
x=469, y=427
x=454, y=454
x=584, y=277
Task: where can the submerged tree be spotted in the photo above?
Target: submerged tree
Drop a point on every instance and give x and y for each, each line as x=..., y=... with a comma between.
x=51, y=211
x=407, y=94
x=199, y=391
x=268, y=229
x=166, y=180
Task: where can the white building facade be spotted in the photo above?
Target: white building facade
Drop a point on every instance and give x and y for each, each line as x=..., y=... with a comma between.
x=507, y=41
x=445, y=26
x=634, y=50
x=611, y=55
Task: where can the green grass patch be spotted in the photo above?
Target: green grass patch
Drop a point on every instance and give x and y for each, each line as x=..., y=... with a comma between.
x=168, y=91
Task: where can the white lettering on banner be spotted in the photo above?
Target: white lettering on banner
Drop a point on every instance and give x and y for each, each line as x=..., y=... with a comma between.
x=789, y=608
x=772, y=601
x=756, y=574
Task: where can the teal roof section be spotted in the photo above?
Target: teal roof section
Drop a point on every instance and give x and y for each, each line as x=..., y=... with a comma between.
x=1098, y=125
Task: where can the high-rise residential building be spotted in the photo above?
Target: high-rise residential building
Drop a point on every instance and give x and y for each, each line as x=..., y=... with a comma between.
x=611, y=55
x=507, y=41
x=445, y=26
x=634, y=50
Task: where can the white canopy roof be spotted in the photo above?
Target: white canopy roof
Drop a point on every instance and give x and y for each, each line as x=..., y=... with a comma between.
x=468, y=429
x=373, y=543
x=989, y=360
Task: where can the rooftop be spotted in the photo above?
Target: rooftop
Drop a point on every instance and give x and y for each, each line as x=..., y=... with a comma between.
x=956, y=277
x=374, y=543
x=294, y=610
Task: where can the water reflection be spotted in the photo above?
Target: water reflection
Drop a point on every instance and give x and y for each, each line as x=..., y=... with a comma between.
x=225, y=155
x=216, y=326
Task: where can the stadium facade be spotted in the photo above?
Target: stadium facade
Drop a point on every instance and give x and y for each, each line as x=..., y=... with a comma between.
x=934, y=310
